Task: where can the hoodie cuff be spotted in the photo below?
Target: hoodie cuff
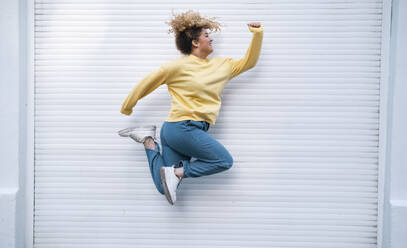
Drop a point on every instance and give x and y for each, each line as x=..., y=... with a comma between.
x=126, y=112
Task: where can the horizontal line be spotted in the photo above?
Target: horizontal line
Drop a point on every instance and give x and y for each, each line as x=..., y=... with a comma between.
x=204, y=200
x=209, y=1
x=231, y=6
x=256, y=232
x=147, y=225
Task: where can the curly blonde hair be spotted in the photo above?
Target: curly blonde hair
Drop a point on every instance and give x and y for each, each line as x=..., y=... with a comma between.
x=187, y=26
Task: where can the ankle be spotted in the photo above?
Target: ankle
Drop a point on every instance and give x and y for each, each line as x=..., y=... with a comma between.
x=149, y=143
x=179, y=172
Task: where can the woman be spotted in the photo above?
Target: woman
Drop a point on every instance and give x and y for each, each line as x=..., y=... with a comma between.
x=195, y=83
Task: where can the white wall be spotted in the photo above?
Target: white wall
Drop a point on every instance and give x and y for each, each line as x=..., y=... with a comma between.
x=13, y=100
x=396, y=172
x=12, y=116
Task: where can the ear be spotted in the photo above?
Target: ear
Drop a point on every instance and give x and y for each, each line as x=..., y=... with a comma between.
x=195, y=43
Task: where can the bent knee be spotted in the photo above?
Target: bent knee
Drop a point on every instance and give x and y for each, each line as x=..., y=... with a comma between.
x=228, y=161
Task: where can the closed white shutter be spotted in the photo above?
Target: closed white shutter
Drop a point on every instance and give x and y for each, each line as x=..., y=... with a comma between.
x=302, y=127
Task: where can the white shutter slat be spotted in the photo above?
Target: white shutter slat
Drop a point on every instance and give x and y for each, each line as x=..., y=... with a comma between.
x=305, y=154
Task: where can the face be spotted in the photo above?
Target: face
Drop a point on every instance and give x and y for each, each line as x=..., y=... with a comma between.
x=205, y=42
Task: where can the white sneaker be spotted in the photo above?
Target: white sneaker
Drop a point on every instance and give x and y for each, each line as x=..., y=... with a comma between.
x=170, y=183
x=139, y=133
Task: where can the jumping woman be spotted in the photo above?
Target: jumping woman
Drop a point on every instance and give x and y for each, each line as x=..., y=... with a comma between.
x=195, y=83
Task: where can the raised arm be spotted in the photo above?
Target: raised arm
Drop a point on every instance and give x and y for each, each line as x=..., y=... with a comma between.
x=252, y=53
x=147, y=85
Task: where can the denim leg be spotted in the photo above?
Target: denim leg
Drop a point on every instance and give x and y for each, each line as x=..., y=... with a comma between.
x=155, y=162
x=191, y=140
x=168, y=157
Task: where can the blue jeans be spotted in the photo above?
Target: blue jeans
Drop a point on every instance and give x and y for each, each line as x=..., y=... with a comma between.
x=182, y=141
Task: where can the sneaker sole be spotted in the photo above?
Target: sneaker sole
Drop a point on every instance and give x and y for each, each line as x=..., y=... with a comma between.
x=163, y=182
x=126, y=132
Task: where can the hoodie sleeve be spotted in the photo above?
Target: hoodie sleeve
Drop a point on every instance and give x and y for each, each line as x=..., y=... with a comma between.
x=252, y=53
x=144, y=87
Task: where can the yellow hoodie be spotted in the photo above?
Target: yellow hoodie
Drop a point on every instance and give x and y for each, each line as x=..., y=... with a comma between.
x=195, y=84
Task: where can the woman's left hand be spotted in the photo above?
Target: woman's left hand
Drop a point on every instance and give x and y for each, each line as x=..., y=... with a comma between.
x=254, y=24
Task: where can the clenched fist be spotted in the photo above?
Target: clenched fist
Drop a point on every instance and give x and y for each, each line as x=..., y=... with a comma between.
x=254, y=24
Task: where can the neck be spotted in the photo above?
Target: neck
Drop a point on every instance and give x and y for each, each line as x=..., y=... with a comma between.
x=199, y=54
